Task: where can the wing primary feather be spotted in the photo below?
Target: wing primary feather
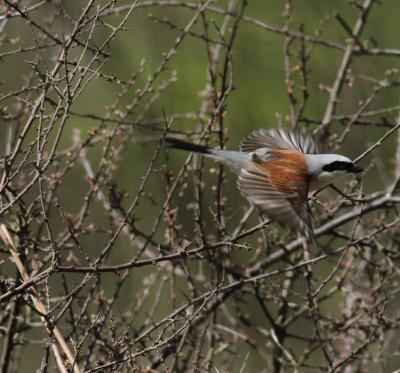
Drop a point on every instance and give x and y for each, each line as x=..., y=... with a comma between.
x=282, y=207
x=279, y=139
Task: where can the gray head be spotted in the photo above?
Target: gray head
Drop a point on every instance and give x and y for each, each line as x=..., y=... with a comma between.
x=325, y=168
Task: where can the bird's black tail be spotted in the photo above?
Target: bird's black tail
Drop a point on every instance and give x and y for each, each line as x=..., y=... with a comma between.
x=184, y=145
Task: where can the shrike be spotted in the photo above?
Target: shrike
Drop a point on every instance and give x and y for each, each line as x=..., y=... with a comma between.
x=276, y=170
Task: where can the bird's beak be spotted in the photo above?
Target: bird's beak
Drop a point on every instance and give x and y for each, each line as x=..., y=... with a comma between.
x=355, y=169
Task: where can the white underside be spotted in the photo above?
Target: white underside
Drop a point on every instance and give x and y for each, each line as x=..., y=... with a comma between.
x=324, y=179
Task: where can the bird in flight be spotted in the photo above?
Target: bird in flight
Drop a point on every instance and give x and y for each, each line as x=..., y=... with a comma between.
x=276, y=170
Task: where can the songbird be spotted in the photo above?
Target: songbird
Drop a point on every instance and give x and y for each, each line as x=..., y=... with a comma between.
x=276, y=170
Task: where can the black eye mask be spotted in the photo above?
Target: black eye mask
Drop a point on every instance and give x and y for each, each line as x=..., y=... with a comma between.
x=342, y=166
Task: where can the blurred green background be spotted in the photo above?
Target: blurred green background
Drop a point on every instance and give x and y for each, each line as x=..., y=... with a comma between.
x=259, y=100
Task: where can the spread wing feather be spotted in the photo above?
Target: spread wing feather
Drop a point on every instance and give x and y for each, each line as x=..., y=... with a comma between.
x=277, y=199
x=288, y=209
x=279, y=139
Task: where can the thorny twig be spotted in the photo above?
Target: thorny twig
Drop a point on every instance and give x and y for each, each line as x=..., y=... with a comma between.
x=115, y=259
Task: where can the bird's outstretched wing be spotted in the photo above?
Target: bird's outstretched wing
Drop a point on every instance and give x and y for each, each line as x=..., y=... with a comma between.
x=279, y=138
x=282, y=199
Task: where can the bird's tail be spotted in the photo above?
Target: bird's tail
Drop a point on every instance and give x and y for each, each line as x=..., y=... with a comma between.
x=184, y=145
x=234, y=160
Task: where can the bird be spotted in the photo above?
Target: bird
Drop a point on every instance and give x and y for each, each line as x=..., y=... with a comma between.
x=276, y=170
